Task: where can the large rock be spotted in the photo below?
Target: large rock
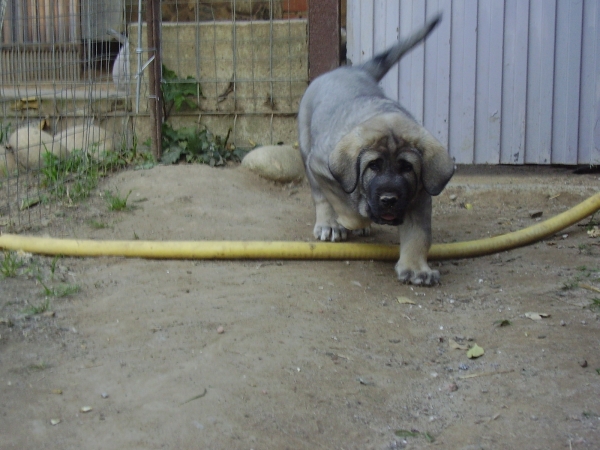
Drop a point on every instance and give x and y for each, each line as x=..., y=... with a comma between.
x=92, y=139
x=281, y=163
x=7, y=162
x=29, y=143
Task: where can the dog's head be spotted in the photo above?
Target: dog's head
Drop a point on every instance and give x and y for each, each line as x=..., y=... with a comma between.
x=385, y=161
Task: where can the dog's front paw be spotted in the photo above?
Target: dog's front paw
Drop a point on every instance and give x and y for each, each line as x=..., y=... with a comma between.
x=331, y=231
x=418, y=277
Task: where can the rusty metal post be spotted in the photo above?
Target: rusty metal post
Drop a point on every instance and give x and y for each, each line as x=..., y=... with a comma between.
x=153, y=23
x=323, y=36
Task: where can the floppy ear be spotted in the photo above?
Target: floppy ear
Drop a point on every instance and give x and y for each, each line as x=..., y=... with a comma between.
x=438, y=167
x=344, y=160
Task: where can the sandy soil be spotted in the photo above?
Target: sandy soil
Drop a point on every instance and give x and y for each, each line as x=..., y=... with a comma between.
x=313, y=354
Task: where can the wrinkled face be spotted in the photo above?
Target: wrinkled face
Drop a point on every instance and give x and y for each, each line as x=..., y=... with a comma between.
x=390, y=171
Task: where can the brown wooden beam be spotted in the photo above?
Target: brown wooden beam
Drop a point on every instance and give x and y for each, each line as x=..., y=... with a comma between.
x=323, y=37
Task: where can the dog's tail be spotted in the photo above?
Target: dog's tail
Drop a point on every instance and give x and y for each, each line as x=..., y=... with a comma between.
x=380, y=64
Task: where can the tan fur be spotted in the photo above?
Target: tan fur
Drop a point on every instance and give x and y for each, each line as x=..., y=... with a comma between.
x=437, y=164
x=367, y=160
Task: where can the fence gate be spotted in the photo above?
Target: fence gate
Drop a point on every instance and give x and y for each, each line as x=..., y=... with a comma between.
x=76, y=98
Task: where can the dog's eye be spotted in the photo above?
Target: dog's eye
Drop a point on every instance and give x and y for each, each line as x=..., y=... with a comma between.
x=376, y=165
x=405, y=166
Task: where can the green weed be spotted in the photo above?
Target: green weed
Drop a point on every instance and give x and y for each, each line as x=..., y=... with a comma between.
x=115, y=201
x=53, y=264
x=4, y=132
x=38, y=367
x=10, y=264
x=62, y=290
x=32, y=310
x=178, y=92
x=74, y=176
x=198, y=146
x=97, y=225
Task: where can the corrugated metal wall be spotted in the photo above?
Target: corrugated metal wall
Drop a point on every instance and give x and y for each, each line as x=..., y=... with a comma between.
x=499, y=81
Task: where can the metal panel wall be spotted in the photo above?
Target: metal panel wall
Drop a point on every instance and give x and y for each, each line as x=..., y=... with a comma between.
x=499, y=81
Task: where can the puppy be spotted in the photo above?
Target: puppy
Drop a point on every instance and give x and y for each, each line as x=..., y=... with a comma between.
x=368, y=160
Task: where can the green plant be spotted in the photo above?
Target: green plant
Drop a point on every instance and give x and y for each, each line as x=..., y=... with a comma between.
x=97, y=225
x=584, y=273
x=4, y=132
x=595, y=303
x=73, y=176
x=10, y=264
x=139, y=156
x=592, y=222
x=32, y=310
x=53, y=264
x=198, y=146
x=38, y=367
x=62, y=290
x=177, y=92
x=115, y=201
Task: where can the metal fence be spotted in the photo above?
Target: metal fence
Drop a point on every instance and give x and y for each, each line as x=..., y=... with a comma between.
x=77, y=98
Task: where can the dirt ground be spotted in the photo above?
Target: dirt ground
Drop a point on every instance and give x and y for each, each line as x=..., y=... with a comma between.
x=311, y=354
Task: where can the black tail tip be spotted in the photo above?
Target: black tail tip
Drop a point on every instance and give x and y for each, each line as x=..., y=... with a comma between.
x=435, y=21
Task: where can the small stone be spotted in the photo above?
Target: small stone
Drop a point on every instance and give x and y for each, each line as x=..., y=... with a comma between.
x=452, y=197
x=104, y=395
x=220, y=330
x=534, y=214
x=282, y=163
x=85, y=409
x=452, y=387
x=54, y=421
x=583, y=363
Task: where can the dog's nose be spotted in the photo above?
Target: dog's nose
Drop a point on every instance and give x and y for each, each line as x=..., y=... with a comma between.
x=388, y=200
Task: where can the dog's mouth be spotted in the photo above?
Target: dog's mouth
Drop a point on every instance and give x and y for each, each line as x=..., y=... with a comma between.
x=388, y=219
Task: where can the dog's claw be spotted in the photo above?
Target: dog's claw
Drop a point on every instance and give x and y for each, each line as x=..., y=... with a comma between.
x=330, y=233
x=419, y=278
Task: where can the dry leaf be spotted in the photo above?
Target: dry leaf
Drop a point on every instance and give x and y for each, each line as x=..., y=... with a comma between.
x=405, y=301
x=536, y=316
x=589, y=287
x=456, y=346
x=594, y=232
x=475, y=352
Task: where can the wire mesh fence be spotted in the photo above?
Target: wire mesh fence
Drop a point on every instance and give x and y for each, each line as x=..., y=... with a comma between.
x=76, y=102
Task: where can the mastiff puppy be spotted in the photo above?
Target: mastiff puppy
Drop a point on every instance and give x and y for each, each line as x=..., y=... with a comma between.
x=368, y=160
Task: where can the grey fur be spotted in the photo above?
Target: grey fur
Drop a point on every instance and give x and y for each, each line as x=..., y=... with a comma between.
x=368, y=160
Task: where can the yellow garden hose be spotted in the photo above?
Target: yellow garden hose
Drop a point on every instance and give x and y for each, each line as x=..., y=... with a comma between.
x=294, y=250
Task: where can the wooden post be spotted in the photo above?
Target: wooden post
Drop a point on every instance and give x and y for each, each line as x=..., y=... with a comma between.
x=323, y=37
x=154, y=75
